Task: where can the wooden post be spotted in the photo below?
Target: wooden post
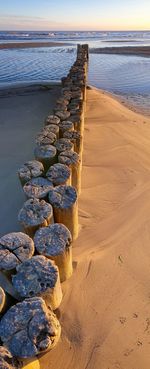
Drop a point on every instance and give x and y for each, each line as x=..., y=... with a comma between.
x=74, y=109
x=60, y=107
x=63, y=144
x=29, y=328
x=78, y=121
x=35, y=214
x=54, y=128
x=65, y=206
x=55, y=243
x=77, y=139
x=30, y=169
x=59, y=174
x=2, y=299
x=15, y=248
x=66, y=93
x=39, y=276
x=6, y=285
x=65, y=126
x=47, y=154
x=45, y=138
x=32, y=363
x=62, y=100
x=63, y=115
x=51, y=119
x=6, y=299
x=37, y=188
x=77, y=94
x=72, y=159
x=7, y=361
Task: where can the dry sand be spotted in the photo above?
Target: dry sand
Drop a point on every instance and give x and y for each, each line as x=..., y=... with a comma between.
x=22, y=112
x=105, y=312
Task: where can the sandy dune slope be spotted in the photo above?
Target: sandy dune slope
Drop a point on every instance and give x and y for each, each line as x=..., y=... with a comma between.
x=105, y=314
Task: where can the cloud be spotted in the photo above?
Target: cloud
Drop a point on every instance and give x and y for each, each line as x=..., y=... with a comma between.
x=13, y=22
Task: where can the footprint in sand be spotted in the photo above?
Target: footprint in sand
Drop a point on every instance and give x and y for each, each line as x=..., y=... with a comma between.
x=120, y=259
x=128, y=352
x=122, y=320
x=135, y=315
x=147, y=325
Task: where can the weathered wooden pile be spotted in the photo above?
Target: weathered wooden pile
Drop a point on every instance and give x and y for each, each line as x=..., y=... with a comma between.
x=33, y=264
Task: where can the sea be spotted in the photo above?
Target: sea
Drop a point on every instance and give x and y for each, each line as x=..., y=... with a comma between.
x=125, y=76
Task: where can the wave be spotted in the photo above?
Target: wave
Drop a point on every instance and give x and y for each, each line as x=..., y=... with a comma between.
x=91, y=37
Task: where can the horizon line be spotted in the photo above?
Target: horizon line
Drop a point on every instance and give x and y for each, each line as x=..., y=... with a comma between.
x=76, y=30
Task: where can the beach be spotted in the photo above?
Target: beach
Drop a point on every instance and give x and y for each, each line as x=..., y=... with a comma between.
x=105, y=309
x=22, y=113
x=27, y=45
x=119, y=62
x=123, y=50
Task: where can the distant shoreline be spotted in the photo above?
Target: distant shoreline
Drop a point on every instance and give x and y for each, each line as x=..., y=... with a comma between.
x=123, y=50
x=26, y=45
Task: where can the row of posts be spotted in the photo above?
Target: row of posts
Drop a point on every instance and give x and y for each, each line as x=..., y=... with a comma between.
x=35, y=262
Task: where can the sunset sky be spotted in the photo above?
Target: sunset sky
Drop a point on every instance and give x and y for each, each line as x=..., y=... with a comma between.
x=74, y=15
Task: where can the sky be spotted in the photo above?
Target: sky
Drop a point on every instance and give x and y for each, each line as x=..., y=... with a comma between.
x=74, y=15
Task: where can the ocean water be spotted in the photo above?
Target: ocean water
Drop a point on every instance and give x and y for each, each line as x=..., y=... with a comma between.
x=93, y=38
x=37, y=64
x=128, y=76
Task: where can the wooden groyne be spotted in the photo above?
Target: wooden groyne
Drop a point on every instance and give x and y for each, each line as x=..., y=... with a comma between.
x=35, y=263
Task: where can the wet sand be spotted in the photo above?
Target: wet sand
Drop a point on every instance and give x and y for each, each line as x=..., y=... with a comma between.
x=24, y=45
x=137, y=103
x=22, y=111
x=123, y=50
